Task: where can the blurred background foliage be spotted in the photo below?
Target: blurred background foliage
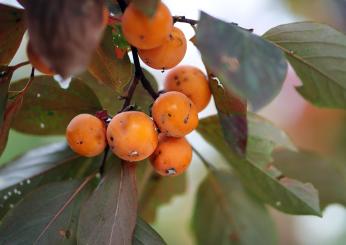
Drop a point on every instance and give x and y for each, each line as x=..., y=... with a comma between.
x=319, y=130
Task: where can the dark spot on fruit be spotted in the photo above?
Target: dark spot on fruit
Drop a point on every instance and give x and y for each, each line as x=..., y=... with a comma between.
x=178, y=83
x=141, y=37
x=169, y=115
x=176, y=77
x=186, y=119
x=111, y=138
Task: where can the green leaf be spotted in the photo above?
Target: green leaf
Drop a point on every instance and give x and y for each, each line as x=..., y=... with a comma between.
x=119, y=40
x=108, y=69
x=109, y=215
x=325, y=174
x=5, y=79
x=244, y=62
x=156, y=190
x=226, y=214
x=47, y=109
x=110, y=98
x=12, y=28
x=148, y=7
x=232, y=113
x=145, y=235
x=317, y=53
x=264, y=138
x=52, y=212
x=54, y=162
x=261, y=177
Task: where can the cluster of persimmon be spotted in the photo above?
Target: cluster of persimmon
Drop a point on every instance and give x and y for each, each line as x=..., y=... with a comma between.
x=160, y=45
x=134, y=136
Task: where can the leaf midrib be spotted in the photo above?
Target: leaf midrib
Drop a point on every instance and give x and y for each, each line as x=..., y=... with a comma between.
x=301, y=60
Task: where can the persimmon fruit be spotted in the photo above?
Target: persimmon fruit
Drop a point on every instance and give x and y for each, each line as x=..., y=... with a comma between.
x=167, y=55
x=146, y=32
x=172, y=156
x=86, y=135
x=190, y=81
x=132, y=136
x=175, y=114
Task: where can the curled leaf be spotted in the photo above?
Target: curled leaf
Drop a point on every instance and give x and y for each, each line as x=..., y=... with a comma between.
x=65, y=33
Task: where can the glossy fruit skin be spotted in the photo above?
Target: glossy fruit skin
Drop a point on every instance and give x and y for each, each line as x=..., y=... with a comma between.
x=37, y=62
x=132, y=136
x=86, y=135
x=175, y=114
x=172, y=156
x=167, y=55
x=146, y=32
x=190, y=81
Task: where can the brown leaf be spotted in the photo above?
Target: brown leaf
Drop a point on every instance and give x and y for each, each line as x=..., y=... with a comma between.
x=65, y=33
x=6, y=73
x=11, y=110
x=109, y=215
x=12, y=28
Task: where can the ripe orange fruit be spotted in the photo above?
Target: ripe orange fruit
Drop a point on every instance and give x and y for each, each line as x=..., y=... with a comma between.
x=132, y=136
x=86, y=135
x=169, y=54
x=146, y=32
x=37, y=62
x=175, y=114
x=172, y=156
x=190, y=81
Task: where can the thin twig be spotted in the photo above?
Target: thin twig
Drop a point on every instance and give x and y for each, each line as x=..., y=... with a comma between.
x=139, y=72
x=183, y=19
x=193, y=23
x=20, y=65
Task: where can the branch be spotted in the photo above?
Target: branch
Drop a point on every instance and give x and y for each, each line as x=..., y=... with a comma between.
x=183, y=19
x=122, y=5
x=193, y=23
x=139, y=72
